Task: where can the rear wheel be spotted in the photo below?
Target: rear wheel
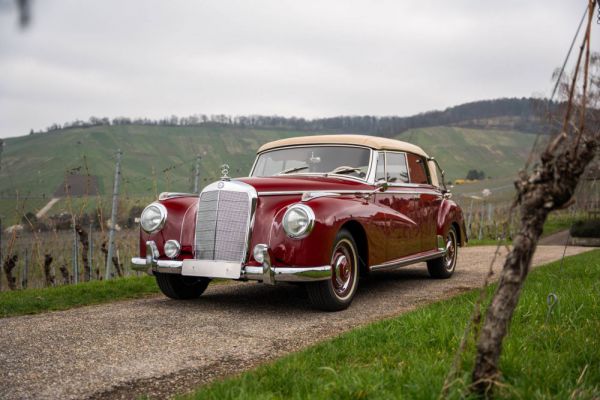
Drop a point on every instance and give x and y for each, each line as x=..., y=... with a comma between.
x=337, y=292
x=442, y=268
x=181, y=287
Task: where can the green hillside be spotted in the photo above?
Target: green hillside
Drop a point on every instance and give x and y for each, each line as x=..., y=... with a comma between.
x=162, y=158
x=458, y=150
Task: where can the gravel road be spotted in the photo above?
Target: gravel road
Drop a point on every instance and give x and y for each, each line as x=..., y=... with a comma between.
x=160, y=347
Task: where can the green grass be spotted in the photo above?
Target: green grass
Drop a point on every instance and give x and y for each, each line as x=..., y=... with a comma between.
x=409, y=356
x=33, y=301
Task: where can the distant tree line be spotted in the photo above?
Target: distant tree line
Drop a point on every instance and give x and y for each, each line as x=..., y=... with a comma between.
x=523, y=114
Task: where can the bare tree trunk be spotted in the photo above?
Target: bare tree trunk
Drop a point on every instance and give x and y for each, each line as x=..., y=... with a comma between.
x=550, y=187
x=65, y=274
x=114, y=258
x=10, y=262
x=47, y=271
x=118, y=266
x=85, y=247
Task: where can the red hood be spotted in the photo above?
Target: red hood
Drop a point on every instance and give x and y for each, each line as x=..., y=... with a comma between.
x=303, y=183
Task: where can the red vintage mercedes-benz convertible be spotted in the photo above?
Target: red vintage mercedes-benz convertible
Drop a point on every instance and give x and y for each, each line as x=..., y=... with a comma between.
x=321, y=210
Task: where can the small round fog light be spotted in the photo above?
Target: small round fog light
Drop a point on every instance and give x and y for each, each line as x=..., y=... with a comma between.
x=260, y=251
x=172, y=248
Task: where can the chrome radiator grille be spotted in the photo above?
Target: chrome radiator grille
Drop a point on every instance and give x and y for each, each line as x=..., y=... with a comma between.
x=222, y=225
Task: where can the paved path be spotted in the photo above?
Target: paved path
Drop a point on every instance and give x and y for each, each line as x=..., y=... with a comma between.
x=558, y=238
x=161, y=347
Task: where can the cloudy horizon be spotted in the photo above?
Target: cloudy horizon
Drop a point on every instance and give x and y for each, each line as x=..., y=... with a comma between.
x=305, y=59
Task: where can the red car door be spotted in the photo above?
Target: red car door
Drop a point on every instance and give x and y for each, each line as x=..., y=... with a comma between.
x=427, y=202
x=405, y=237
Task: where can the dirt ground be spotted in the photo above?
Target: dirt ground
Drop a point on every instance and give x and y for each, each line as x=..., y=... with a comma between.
x=162, y=347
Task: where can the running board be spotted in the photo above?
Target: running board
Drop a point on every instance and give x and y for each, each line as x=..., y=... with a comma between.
x=402, y=262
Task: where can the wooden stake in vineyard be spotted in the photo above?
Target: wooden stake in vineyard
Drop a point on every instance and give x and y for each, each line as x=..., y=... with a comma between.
x=550, y=186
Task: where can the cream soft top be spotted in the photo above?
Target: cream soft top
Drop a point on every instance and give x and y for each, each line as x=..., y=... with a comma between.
x=374, y=142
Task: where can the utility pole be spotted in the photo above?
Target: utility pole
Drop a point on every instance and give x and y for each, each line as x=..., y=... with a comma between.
x=113, y=217
x=75, y=255
x=197, y=175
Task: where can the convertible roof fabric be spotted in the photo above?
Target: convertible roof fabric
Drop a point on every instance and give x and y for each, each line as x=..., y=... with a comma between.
x=373, y=142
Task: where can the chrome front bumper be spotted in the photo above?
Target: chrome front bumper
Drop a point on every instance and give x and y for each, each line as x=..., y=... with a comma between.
x=265, y=273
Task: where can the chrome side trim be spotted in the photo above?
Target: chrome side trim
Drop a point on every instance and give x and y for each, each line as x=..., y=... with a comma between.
x=170, y=195
x=308, y=196
x=314, y=193
x=401, y=262
x=289, y=274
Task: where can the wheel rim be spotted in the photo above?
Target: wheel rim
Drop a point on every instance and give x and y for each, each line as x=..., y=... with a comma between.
x=343, y=265
x=450, y=256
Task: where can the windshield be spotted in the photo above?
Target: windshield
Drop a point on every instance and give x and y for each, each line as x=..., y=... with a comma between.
x=349, y=161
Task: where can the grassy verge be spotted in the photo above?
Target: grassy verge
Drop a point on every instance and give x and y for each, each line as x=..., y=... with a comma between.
x=409, y=356
x=33, y=301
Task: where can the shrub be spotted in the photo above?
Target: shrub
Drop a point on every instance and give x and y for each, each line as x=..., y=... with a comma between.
x=586, y=228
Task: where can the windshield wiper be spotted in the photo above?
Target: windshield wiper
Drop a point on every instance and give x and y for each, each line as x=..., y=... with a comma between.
x=290, y=170
x=344, y=170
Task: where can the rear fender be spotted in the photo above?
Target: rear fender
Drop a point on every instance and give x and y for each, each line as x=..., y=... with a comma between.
x=451, y=214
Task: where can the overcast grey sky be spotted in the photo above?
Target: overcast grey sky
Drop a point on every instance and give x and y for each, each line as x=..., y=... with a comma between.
x=295, y=58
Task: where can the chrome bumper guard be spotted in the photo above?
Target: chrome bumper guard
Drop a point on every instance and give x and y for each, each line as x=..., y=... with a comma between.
x=265, y=273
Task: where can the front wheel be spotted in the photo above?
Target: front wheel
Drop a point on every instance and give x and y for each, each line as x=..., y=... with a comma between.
x=442, y=268
x=336, y=293
x=181, y=287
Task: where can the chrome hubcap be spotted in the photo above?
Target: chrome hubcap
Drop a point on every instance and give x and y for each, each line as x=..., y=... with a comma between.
x=450, y=251
x=343, y=264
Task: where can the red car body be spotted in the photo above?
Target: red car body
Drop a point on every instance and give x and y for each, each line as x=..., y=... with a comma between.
x=391, y=225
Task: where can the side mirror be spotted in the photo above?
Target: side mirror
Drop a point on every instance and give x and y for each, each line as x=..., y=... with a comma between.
x=381, y=186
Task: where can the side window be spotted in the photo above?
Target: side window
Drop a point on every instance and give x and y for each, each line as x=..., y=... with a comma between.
x=417, y=169
x=396, y=168
x=380, y=169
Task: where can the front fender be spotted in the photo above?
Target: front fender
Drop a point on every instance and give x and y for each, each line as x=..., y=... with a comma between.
x=180, y=225
x=331, y=213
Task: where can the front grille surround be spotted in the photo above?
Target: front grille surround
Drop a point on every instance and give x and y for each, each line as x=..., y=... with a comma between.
x=224, y=221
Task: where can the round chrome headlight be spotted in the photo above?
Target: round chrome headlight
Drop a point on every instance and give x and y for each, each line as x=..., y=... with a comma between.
x=153, y=217
x=298, y=221
x=172, y=248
